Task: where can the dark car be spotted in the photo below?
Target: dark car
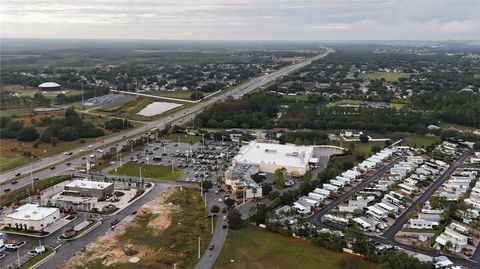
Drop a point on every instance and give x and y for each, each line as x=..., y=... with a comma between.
x=6, y=190
x=52, y=168
x=17, y=175
x=14, y=182
x=68, y=163
x=224, y=226
x=211, y=247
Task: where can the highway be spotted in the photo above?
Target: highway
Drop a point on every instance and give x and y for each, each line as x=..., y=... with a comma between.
x=178, y=118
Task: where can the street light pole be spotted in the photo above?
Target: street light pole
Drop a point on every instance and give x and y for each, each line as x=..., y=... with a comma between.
x=212, y=224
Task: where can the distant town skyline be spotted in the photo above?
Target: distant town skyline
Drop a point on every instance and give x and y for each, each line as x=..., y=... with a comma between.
x=242, y=20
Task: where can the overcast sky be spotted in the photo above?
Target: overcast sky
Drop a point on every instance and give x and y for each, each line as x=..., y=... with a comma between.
x=242, y=19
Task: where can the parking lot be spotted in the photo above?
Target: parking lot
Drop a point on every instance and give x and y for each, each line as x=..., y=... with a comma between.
x=199, y=161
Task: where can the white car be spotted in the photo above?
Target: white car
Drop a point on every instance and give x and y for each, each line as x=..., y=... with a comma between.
x=15, y=246
x=220, y=200
x=90, y=146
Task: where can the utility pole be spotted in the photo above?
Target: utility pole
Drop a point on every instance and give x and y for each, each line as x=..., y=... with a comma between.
x=199, y=238
x=140, y=169
x=83, y=101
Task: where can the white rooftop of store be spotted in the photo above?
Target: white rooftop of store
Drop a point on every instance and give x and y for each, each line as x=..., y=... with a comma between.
x=288, y=154
x=31, y=212
x=88, y=184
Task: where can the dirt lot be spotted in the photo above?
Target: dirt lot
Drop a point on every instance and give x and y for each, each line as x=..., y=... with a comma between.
x=111, y=250
x=163, y=232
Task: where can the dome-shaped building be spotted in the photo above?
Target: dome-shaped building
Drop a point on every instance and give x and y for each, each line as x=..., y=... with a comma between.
x=49, y=86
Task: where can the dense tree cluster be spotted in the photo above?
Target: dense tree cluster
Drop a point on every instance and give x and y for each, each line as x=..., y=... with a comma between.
x=69, y=128
x=250, y=112
x=117, y=124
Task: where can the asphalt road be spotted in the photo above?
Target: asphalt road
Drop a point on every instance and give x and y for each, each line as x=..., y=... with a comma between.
x=177, y=118
x=389, y=234
x=219, y=236
x=317, y=216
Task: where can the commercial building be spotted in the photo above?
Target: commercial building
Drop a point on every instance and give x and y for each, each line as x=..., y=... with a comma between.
x=270, y=157
x=49, y=86
x=238, y=179
x=32, y=217
x=85, y=188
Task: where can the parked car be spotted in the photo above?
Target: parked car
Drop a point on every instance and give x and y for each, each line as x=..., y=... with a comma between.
x=15, y=246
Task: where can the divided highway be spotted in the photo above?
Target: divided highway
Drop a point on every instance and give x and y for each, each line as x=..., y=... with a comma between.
x=178, y=118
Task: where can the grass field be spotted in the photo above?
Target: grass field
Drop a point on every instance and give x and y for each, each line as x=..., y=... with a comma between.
x=30, y=91
x=457, y=127
x=148, y=170
x=388, y=76
x=184, y=138
x=36, y=259
x=9, y=160
x=419, y=140
x=173, y=94
x=366, y=148
x=476, y=76
x=252, y=247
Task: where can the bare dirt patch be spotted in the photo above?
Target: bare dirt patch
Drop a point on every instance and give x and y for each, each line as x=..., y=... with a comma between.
x=109, y=249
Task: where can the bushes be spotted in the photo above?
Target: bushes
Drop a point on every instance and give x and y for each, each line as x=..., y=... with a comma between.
x=329, y=241
x=27, y=134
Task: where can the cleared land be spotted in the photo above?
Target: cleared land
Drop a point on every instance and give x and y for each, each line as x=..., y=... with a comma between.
x=148, y=170
x=157, y=108
x=388, y=76
x=164, y=231
x=252, y=247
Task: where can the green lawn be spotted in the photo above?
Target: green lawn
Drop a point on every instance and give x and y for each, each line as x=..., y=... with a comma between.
x=185, y=95
x=10, y=160
x=365, y=148
x=36, y=259
x=184, y=138
x=148, y=170
x=419, y=140
x=476, y=76
x=390, y=76
x=252, y=247
x=457, y=127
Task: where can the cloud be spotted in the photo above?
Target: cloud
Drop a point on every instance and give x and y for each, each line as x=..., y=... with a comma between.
x=241, y=19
